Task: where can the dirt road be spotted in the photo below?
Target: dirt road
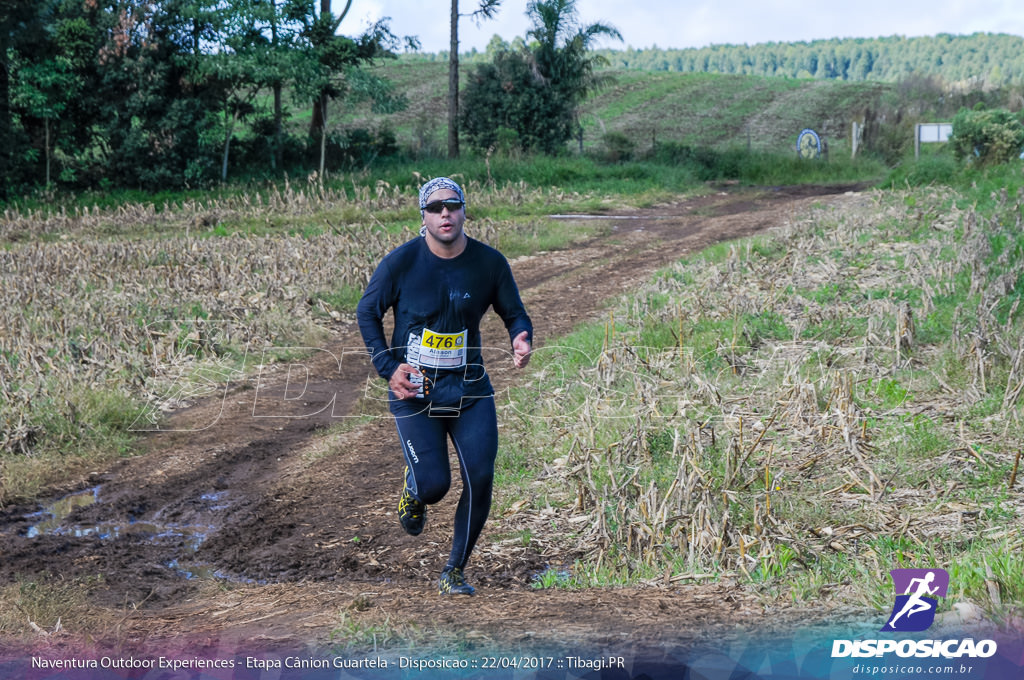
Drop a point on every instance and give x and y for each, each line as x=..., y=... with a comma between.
x=256, y=520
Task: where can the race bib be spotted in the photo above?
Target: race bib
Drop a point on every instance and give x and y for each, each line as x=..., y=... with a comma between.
x=437, y=350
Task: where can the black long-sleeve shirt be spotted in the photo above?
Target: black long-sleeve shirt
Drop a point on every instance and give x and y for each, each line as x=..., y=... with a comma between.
x=434, y=300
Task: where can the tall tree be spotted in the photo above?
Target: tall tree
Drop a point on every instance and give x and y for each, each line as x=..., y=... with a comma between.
x=154, y=113
x=44, y=91
x=563, y=53
x=486, y=10
x=278, y=88
x=530, y=96
x=270, y=26
x=260, y=50
x=321, y=31
x=336, y=57
x=238, y=78
x=453, y=83
x=20, y=29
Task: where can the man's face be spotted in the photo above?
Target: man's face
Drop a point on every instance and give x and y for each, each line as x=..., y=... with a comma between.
x=444, y=226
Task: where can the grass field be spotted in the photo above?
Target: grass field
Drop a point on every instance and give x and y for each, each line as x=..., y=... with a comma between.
x=701, y=110
x=804, y=411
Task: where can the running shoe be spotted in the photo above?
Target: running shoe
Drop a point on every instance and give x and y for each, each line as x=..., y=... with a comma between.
x=452, y=582
x=412, y=513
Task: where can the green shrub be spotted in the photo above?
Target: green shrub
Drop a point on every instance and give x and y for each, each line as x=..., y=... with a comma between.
x=987, y=136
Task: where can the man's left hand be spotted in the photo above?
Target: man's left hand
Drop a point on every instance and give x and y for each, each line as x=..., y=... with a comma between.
x=521, y=350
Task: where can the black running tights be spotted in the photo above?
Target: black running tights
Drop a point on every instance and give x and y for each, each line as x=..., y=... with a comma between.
x=473, y=430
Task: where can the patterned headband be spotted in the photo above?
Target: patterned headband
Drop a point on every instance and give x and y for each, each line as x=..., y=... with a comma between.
x=439, y=183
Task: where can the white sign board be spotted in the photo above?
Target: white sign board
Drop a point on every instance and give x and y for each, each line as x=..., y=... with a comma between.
x=934, y=132
x=931, y=132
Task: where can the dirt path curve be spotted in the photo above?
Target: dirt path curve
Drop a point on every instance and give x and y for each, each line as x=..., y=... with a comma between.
x=285, y=520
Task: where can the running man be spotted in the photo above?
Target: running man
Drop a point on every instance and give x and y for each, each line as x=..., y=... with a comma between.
x=915, y=603
x=438, y=287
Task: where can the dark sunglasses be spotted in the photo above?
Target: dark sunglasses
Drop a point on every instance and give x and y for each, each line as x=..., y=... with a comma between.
x=436, y=207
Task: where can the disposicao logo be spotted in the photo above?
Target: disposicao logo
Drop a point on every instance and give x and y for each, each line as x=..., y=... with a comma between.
x=917, y=593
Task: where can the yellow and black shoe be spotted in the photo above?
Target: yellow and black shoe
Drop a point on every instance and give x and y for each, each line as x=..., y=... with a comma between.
x=412, y=513
x=452, y=582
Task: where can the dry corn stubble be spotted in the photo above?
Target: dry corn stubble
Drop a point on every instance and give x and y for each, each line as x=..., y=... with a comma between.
x=131, y=299
x=747, y=484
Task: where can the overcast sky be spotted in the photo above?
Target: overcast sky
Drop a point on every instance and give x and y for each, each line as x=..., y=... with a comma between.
x=698, y=23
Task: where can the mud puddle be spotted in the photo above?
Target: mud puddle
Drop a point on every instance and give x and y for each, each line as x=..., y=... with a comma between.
x=58, y=519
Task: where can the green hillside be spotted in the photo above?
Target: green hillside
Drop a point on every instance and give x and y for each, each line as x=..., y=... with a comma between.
x=756, y=97
x=696, y=109
x=962, y=62
x=723, y=111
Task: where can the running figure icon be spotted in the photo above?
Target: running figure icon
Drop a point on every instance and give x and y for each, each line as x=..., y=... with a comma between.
x=917, y=599
x=914, y=603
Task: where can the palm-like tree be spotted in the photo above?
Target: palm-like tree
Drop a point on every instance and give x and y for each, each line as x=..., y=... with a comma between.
x=534, y=91
x=562, y=54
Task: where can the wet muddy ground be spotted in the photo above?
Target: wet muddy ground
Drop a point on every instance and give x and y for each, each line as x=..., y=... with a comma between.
x=266, y=515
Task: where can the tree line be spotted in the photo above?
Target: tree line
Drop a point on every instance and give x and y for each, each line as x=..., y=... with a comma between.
x=165, y=94
x=972, y=61
x=168, y=93
x=157, y=94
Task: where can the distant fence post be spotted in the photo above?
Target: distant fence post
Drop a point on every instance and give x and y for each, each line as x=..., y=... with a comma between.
x=926, y=133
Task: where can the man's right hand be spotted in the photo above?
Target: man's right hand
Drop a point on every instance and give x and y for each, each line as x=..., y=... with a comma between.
x=400, y=385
